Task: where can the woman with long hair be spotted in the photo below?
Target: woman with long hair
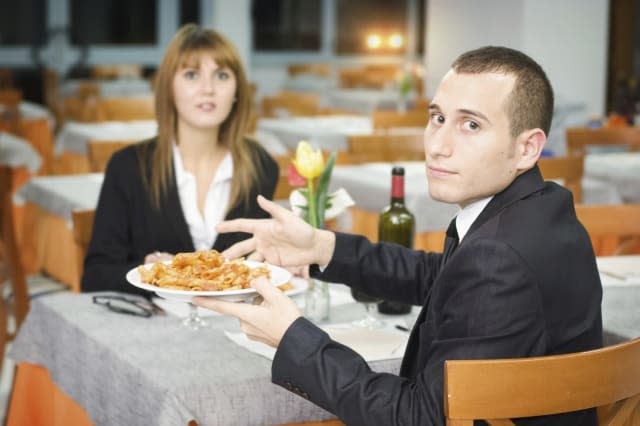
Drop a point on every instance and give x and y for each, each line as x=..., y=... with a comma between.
x=165, y=195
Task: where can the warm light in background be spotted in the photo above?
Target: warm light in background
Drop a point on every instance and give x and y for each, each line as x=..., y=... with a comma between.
x=374, y=41
x=396, y=41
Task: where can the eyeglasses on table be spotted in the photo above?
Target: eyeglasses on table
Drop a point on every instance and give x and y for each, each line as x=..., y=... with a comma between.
x=128, y=305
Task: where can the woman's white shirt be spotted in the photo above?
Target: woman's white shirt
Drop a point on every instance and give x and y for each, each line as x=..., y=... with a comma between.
x=202, y=229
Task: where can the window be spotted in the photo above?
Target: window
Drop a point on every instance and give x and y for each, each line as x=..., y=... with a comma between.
x=287, y=25
x=113, y=22
x=23, y=22
x=371, y=27
x=189, y=12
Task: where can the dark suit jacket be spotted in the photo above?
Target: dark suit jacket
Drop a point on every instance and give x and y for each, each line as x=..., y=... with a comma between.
x=523, y=282
x=127, y=227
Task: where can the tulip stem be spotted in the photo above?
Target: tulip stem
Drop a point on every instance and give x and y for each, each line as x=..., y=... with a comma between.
x=313, y=213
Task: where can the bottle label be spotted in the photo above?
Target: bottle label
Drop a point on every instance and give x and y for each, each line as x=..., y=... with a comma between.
x=397, y=186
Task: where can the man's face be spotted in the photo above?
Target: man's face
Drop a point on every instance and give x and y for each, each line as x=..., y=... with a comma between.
x=470, y=153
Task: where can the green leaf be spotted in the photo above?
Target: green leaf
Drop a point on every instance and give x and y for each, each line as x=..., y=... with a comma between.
x=323, y=187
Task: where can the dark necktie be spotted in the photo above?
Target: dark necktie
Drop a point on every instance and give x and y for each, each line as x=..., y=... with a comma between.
x=450, y=243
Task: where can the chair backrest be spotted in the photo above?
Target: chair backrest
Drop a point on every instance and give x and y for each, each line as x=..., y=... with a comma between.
x=511, y=388
x=82, y=230
x=614, y=228
x=125, y=109
x=290, y=104
x=10, y=116
x=322, y=70
x=569, y=169
x=116, y=71
x=382, y=119
x=99, y=152
x=578, y=138
x=6, y=78
x=386, y=147
x=12, y=260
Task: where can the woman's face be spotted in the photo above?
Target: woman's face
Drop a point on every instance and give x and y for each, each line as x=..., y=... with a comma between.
x=204, y=94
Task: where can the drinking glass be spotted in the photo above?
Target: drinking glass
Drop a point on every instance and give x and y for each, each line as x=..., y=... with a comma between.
x=370, y=302
x=194, y=321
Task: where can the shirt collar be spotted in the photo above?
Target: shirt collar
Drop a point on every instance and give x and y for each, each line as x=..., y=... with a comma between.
x=468, y=215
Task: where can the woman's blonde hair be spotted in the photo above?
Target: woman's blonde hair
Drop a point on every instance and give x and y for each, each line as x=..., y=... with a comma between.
x=189, y=44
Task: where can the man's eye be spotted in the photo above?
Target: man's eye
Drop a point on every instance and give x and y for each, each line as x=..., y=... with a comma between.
x=437, y=118
x=471, y=125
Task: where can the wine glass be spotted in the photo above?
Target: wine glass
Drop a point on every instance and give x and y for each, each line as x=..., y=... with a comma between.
x=370, y=302
x=194, y=321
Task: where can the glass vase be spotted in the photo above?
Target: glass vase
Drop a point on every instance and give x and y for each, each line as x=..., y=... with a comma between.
x=317, y=300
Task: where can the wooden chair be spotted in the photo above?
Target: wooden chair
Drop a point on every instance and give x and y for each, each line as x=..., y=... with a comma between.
x=10, y=116
x=125, y=109
x=82, y=231
x=105, y=72
x=386, y=147
x=13, y=270
x=290, y=104
x=99, y=152
x=578, y=138
x=389, y=119
x=614, y=229
x=322, y=70
x=569, y=169
x=6, y=78
x=607, y=378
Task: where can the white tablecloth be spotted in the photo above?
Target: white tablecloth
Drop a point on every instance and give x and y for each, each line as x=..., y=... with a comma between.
x=618, y=169
x=61, y=195
x=370, y=187
x=75, y=136
x=17, y=152
x=326, y=132
x=111, y=88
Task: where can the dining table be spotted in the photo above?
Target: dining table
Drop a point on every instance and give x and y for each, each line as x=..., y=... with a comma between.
x=47, y=231
x=83, y=364
x=110, y=88
x=71, y=144
x=620, y=170
x=17, y=152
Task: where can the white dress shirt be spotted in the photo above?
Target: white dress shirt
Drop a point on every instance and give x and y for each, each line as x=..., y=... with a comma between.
x=468, y=215
x=202, y=229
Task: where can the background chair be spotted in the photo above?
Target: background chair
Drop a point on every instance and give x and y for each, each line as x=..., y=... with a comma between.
x=579, y=138
x=386, y=147
x=322, y=70
x=607, y=378
x=389, y=119
x=290, y=104
x=10, y=117
x=569, y=169
x=100, y=152
x=614, y=229
x=82, y=230
x=125, y=109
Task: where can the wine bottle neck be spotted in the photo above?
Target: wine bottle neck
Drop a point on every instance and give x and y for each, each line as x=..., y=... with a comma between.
x=397, y=189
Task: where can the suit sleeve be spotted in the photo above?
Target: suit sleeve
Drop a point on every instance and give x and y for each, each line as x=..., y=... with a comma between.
x=108, y=256
x=489, y=309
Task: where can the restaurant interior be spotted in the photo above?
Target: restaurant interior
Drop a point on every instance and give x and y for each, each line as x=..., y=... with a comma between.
x=351, y=77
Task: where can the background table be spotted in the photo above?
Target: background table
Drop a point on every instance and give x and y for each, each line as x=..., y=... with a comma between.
x=110, y=88
x=17, y=152
x=47, y=229
x=621, y=170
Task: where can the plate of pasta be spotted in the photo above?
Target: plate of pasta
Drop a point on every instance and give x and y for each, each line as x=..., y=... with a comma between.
x=205, y=273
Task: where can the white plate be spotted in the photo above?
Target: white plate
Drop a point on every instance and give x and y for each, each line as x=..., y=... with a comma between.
x=278, y=276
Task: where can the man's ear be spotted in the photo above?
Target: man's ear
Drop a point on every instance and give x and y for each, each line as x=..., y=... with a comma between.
x=529, y=145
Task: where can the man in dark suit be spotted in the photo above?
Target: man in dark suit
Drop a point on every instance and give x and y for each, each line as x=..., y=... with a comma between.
x=517, y=278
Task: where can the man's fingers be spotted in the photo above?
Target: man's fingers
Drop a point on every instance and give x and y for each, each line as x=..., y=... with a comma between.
x=237, y=225
x=276, y=211
x=240, y=249
x=268, y=291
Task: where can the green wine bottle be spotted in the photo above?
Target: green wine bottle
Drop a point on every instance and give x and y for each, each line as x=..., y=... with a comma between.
x=396, y=225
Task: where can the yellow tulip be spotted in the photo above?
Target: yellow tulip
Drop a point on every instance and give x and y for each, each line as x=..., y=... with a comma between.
x=308, y=162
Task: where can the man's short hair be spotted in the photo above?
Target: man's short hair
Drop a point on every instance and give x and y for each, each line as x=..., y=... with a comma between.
x=530, y=104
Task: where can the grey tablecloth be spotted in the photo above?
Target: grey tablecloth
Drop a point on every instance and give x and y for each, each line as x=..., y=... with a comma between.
x=17, y=152
x=75, y=136
x=136, y=371
x=61, y=195
x=370, y=187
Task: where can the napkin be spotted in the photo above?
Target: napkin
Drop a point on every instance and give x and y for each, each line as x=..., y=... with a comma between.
x=371, y=344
